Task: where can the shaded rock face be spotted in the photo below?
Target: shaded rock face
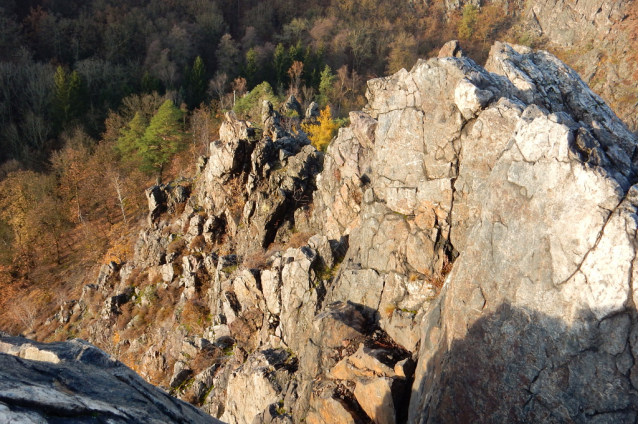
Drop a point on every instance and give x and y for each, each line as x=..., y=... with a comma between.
x=74, y=382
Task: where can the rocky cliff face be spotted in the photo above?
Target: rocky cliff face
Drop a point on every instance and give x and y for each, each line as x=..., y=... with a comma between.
x=597, y=38
x=522, y=178
x=463, y=252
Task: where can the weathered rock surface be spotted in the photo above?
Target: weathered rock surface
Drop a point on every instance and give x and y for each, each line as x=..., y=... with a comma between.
x=532, y=215
x=74, y=382
x=519, y=180
x=463, y=252
x=257, y=384
x=595, y=37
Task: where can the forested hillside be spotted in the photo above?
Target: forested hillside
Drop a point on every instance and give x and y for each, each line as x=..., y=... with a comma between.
x=99, y=99
x=67, y=63
x=89, y=91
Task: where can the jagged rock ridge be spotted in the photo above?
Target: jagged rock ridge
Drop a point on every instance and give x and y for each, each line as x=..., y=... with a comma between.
x=471, y=259
x=597, y=38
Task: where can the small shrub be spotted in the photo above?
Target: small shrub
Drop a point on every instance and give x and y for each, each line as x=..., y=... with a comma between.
x=234, y=188
x=229, y=350
x=198, y=244
x=230, y=269
x=438, y=279
x=177, y=246
x=195, y=316
x=133, y=276
x=186, y=227
x=150, y=294
x=125, y=317
x=167, y=299
x=94, y=300
x=119, y=252
x=141, y=279
x=322, y=133
x=256, y=260
x=205, y=358
x=299, y=239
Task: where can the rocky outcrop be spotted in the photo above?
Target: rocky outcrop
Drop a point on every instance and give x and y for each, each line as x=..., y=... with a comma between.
x=74, y=382
x=463, y=252
x=534, y=215
x=597, y=38
x=528, y=177
x=491, y=226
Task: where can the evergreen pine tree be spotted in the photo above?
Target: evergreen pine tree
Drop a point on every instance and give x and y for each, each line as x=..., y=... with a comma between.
x=150, y=83
x=280, y=63
x=197, y=83
x=132, y=135
x=296, y=52
x=77, y=95
x=325, y=86
x=468, y=21
x=313, y=61
x=61, y=101
x=163, y=137
x=68, y=102
x=251, y=67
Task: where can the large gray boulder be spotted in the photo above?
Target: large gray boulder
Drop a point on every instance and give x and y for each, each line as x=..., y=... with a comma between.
x=492, y=229
x=75, y=382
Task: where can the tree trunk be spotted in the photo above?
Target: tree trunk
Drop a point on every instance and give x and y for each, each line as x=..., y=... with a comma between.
x=158, y=181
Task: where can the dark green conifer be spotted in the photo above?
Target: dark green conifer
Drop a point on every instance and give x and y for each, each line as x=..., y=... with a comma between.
x=197, y=83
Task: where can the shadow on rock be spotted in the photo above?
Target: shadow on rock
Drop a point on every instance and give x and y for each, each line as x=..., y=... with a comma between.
x=517, y=365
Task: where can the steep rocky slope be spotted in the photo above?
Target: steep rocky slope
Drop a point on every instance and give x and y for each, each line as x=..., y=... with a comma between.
x=597, y=38
x=463, y=252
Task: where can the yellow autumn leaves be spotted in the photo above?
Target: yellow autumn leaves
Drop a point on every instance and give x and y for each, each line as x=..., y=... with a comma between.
x=322, y=133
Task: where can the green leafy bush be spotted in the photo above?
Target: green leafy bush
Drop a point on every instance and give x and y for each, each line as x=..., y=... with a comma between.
x=249, y=106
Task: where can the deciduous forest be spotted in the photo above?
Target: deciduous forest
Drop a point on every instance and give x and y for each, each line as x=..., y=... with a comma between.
x=101, y=98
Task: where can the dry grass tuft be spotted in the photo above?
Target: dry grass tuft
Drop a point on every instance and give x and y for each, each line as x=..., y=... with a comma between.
x=298, y=240
x=438, y=279
x=195, y=316
x=198, y=244
x=177, y=246
x=256, y=260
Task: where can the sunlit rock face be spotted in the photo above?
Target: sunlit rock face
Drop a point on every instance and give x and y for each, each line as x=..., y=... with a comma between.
x=468, y=256
x=522, y=177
